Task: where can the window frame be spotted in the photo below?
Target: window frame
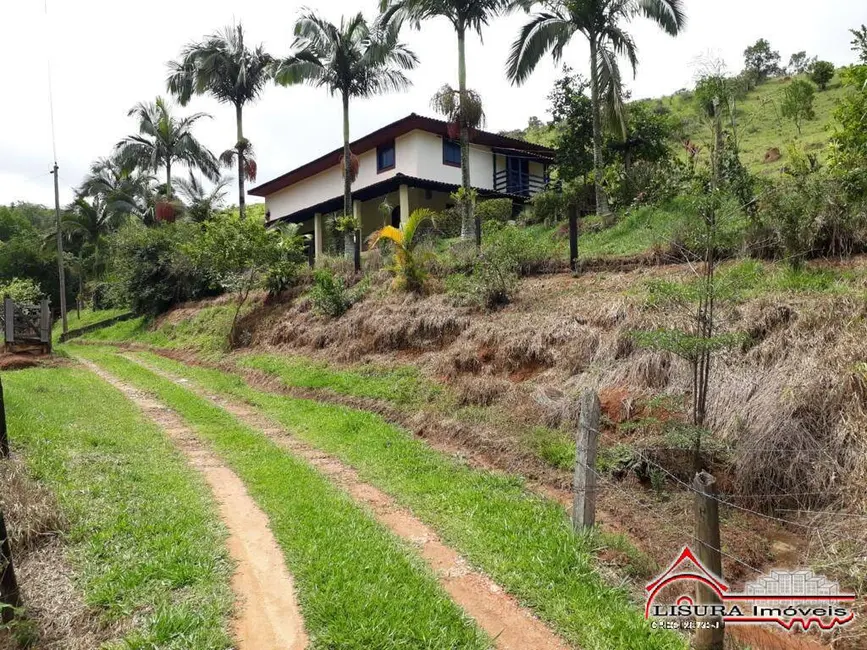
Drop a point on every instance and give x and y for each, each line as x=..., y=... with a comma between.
x=446, y=143
x=379, y=151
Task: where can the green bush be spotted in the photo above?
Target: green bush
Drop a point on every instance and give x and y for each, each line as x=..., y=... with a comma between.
x=153, y=270
x=528, y=249
x=492, y=282
x=821, y=72
x=499, y=210
x=21, y=290
x=330, y=295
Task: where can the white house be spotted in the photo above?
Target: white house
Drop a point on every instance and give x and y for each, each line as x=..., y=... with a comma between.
x=412, y=163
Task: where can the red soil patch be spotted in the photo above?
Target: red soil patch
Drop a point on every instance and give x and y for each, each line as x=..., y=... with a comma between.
x=18, y=362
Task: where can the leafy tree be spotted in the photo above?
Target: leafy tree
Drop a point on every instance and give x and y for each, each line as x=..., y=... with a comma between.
x=761, y=61
x=23, y=253
x=859, y=43
x=154, y=270
x=797, y=104
x=409, y=272
x=353, y=60
x=224, y=67
x=465, y=16
x=849, y=141
x=23, y=291
x=164, y=140
x=799, y=63
x=572, y=111
x=601, y=23
x=821, y=72
x=239, y=252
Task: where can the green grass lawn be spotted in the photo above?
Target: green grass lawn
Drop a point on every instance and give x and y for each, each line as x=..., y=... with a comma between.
x=522, y=541
x=358, y=586
x=87, y=317
x=402, y=386
x=145, y=542
x=206, y=331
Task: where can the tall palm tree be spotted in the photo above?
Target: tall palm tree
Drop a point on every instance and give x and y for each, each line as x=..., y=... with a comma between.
x=224, y=67
x=201, y=202
x=601, y=23
x=464, y=15
x=353, y=59
x=164, y=140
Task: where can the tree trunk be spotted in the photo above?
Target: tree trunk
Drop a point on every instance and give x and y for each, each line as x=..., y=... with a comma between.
x=242, y=199
x=169, y=179
x=467, y=224
x=349, y=244
x=347, y=162
x=601, y=199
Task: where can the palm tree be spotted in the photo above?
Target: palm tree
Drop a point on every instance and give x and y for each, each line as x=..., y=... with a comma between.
x=200, y=202
x=464, y=15
x=600, y=22
x=353, y=59
x=164, y=140
x=91, y=221
x=123, y=191
x=409, y=272
x=225, y=68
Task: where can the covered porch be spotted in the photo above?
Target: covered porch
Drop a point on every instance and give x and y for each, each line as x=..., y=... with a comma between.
x=404, y=195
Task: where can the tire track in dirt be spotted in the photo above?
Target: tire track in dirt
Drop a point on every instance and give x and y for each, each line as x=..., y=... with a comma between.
x=268, y=614
x=512, y=626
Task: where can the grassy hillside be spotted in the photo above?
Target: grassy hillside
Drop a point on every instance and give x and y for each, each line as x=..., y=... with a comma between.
x=760, y=125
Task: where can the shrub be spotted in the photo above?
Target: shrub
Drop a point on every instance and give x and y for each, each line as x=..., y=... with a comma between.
x=21, y=290
x=821, y=72
x=528, y=250
x=797, y=104
x=330, y=295
x=499, y=210
x=491, y=284
x=153, y=271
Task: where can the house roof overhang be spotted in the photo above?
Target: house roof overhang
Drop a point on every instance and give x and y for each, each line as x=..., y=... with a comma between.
x=412, y=122
x=386, y=187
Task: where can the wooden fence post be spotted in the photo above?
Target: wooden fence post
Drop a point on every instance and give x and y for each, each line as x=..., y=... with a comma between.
x=10, y=597
x=9, y=315
x=45, y=325
x=573, y=238
x=4, y=437
x=708, y=537
x=584, y=482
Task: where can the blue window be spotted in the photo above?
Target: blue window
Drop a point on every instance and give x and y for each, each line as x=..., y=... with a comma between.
x=451, y=153
x=385, y=157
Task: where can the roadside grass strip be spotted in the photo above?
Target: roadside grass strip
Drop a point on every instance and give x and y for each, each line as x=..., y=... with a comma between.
x=523, y=541
x=359, y=587
x=145, y=540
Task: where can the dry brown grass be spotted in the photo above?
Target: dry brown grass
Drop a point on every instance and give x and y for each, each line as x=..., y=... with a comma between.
x=53, y=606
x=32, y=515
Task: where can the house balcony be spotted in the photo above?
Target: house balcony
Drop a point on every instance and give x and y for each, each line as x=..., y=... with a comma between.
x=519, y=183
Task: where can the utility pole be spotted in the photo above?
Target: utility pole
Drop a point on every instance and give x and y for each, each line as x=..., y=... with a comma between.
x=61, y=275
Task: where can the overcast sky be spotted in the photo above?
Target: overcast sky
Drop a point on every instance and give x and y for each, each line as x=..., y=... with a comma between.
x=107, y=55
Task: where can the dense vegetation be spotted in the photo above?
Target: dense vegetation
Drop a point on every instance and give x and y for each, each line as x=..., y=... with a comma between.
x=777, y=155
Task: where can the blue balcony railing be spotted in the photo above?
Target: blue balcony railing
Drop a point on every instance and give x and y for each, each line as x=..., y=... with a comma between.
x=519, y=183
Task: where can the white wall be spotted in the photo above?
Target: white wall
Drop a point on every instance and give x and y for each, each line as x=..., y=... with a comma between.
x=418, y=154
x=429, y=149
